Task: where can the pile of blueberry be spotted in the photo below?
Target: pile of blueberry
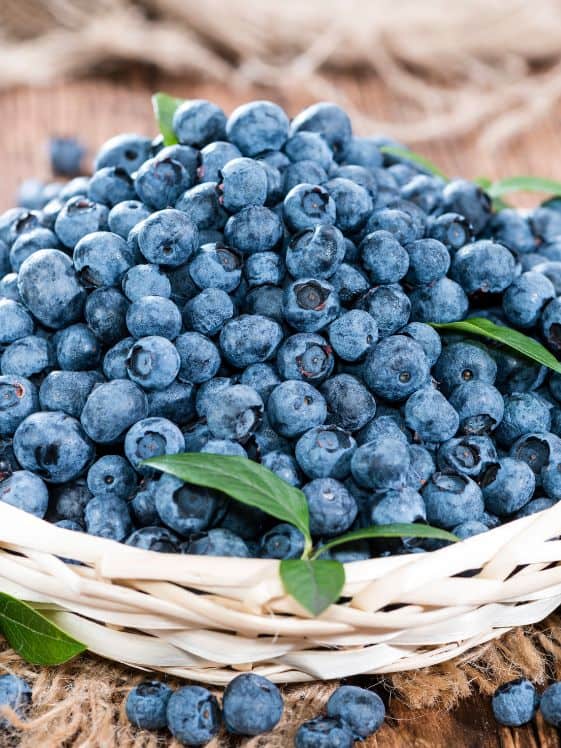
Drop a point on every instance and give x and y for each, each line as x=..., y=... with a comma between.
x=264, y=288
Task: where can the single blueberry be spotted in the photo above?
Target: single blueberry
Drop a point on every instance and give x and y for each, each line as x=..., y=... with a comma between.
x=251, y=705
x=146, y=705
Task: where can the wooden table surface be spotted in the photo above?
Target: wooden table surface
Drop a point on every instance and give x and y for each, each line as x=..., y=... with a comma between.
x=96, y=109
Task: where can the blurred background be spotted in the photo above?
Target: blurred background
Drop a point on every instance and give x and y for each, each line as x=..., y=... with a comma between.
x=475, y=85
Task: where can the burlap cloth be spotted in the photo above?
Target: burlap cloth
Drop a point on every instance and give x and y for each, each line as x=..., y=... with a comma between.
x=82, y=703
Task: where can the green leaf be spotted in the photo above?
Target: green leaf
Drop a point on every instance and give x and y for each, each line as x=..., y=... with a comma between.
x=523, y=184
x=33, y=636
x=511, y=338
x=244, y=480
x=313, y=584
x=397, y=530
x=416, y=158
x=164, y=107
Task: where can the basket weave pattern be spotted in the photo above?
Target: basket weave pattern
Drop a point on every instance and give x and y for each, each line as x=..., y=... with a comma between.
x=207, y=619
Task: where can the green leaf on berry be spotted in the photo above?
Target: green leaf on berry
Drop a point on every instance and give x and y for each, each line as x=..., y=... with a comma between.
x=511, y=338
x=416, y=158
x=242, y=479
x=313, y=584
x=33, y=636
x=397, y=530
x=164, y=108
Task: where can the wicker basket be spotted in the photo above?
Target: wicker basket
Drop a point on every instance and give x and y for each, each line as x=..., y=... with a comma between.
x=207, y=619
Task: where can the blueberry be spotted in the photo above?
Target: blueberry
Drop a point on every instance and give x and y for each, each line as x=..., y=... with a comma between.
x=283, y=541
x=216, y=266
x=430, y=416
x=425, y=191
x=468, y=455
x=146, y=280
x=395, y=368
x=102, y=259
x=383, y=257
x=199, y=357
x=25, y=246
x=186, y=155
x=362, y=711
x=374, y=182
x=16, y=323
x=362, y=152
x=309, y=146
x=550, y=704
x=262, y=378
x=382, y=462
x=214, y=158
x=427, y=337
x=77, y=217
x=254, y=228
x=294, y=407
x=352, y=202
x=111, y=476
x=243, y=183
x=114, y=361
x=257, y=127
x=249, y=339
x=469, y=529
x=525, y=298
x=111, y=185
x=167, y=237
x=69, y=501
x=307, y=205
x=202, y=206
x=124, y=216
x=210, y=390
x=304, y=172
x=185, y=508
x=26, y=491
x=315, y=253
x=65, y=155
x=224, y=447
x=77, y=348
x=429, y=261
x=160, y=181
x=538, y=450
x=325, y=452
x=386, y=426
x=464, y=362
x=349, y=283
x=27, y=356
x=111, y=409
x=309, y=305
x=262, y=268
x=329, y=121
x=15, y=692
x=155, y=538
x=352, y=334
x=146, y=705
x=469, y=200
x=551, y=325
x=524, y=412
x=251, y=705
x=264, y=300
x=483, y=267
x=193, y=715
x=305, y=356
x=515, y=703
x=108, y=517
x=452, y=499
x=421, y=466
x=154, y=315
x=507, y=485
x=153, y=362
x=152, y=437
x=67, y=391
x=443, y=301
x=533, y=506
x=452, y=229
x=28, y=221
x=143, y=508
x=105, y=312
x=545, y=224
x=323, y=732
x=217, y=542
x=197, y=122
x=235, y=414
x=389, y=306
x=349, y=404
x=175, y=402
x=396, y=222
x=513, y=230
x=479, y=405
x=53, y=445
x=128, y=151
x=283, y=465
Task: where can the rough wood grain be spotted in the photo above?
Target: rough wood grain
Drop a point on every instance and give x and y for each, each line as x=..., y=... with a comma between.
x=97, y=109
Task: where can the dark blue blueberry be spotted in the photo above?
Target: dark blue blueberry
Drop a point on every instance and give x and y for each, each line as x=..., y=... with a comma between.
x=25, y=491
x=315, y=253
x=362, y=711
x=175, y=402
x=185, y=508
x=15, y=693
x=452, y=229
x=468, y=455
x=283, y=465
x=53, y=445
x=389, y=306
x=254, y=228
x=309, y=305
x=538, y=450
x=146, y=705
x=483, y=267
x=305, y=356
x=307, y=205
x=66, y=154
x=325, y=452
x=152, y=437
x=114, y=361
x=368, y=179
x=160, y=182
x=430, y=416
x=421, y=466
x=524, y=412
x=303, y=172
x=168, y=237
x=143, y=507
x=216, y=266
x=515, y=703
x=267, y=439
x=18, y=399
x=153, y=362
x=156, y=538
x=108, y=517
x=469, y=200
x=27, y=356
x=525, y=298
x=210, y=390
x=294, y=407
x=28, y=221
x=102, y=259
x=329, y=121
x=396, y=222
x=111, y=409
x=214, y=158
x=249, y=339
x=199, y=357
x=384, y=426
x=111, y=475
x=512, y=229
x=452, y=499
x=353, y=204
x=26, y=245
x=69, y=501
x=124, y=216
x=349, y=283
x=67, y=390
x=193, y=715
x=77, y=348
x=188, y=156
x=551, y=325
x=429, y=261
x=154, y=315
x=427, y=337
x=425, y=191
x=507, y=485
x=129, y=151
x=545, y=224
x=550, y=704
x=106, y=312
x=469, y=529
x=479, y=405
x=362, y=152
x=111, y=185
x=257, y=127
x=263, y=378
x=464, y=362
x=332, y=508
x=264, y=267
x=382, y=462
x=395, y=368
x=323, y=732
x=224, y=447
x=15, y=322
x=251, y=705
x=283, y=541
x=202, y=206
x=352, y=334
x=235, y=414
x=243, y=182
x=217, y=542
x=349, y=404
x=264, y=300
x=309, y=146
x=383, y=257
x=146, y=280
x=443, y=301
x=77, y=217
x=197, y=122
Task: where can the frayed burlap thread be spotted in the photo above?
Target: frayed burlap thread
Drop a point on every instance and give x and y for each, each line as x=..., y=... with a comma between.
x=82, y=703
